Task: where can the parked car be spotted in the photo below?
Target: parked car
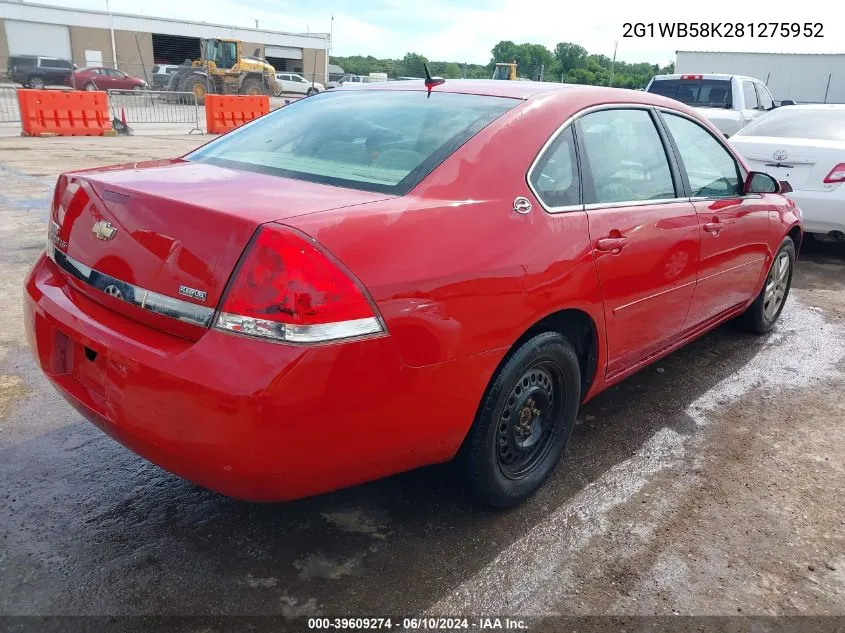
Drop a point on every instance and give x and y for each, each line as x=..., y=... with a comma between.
x=293, y=83
x=348, y=78
x=100, y=78
x=395, y=275
x=37, y=72
x=729, y=101
x=162, y=74
x=803, y=145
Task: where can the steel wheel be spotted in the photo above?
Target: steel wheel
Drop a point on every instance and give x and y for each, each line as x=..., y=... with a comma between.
x=529, y=423
x=776, y=286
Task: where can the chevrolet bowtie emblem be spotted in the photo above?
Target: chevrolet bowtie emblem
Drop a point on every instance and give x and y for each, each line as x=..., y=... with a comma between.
x=104, y=230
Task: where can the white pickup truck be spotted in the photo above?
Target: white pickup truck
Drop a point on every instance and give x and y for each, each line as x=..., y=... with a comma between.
x=729, y=101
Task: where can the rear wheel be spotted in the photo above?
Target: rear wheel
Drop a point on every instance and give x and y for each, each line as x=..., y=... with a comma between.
x=311, y=91
x=90, y=87
x=524, y=422
x=36, y=83
x=761, y=316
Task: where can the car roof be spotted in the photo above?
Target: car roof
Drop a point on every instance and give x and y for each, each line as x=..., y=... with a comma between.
x=703, y=76
x=526, y=90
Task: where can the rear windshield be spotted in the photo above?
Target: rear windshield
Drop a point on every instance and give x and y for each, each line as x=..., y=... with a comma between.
x=823, y=124
x=372, y=140
x=715, y=93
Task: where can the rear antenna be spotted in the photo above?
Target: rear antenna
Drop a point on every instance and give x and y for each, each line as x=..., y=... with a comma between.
x=430, y=81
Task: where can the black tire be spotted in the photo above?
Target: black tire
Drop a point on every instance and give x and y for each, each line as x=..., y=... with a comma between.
x=761, y=316
x=90, y=86
x=252, y=86
x=199, y=86
x=311, y=91
x=36, y=83
x=523, y=423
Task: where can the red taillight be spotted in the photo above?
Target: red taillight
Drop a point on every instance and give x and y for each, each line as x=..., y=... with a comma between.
x=288, y=289
x=837, y=174
x=692, y=76
x=54, y=237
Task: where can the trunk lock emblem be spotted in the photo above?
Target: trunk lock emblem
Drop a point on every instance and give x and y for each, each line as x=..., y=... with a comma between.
x=104, y=230
x=113, y=291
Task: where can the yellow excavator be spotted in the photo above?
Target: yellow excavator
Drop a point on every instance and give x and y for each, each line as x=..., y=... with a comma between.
x=505, y=71
x=224, y=69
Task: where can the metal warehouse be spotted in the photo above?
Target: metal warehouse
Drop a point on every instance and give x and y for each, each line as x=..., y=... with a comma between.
x=802, y=77
x=135, y=43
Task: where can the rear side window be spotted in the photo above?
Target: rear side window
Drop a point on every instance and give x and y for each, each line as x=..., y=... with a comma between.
x=715, y=93
x=750, y=95
x=55, y=63
x=710, y=168
x=822, y=124
x=555, y=176
x=624, y=157
x=22, y=62
x=384, y=141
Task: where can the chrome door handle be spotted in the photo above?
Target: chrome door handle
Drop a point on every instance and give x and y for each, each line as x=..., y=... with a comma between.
x=713, y=228
x=612, y=244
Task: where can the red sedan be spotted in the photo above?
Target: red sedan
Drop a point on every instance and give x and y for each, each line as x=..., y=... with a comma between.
x=377, y=278
x=105, y=79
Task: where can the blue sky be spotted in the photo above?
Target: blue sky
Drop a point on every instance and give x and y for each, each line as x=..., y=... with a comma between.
x=466, y=30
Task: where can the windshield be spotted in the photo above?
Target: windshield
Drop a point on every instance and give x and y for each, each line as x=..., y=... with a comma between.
x=823, y=124
x=713, y=93
x=383, y=141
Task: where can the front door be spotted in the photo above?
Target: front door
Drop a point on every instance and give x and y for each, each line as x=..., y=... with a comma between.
x=734, y=227
x=645, y=235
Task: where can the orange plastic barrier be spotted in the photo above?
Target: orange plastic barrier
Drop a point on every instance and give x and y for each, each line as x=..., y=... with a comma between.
x=64, y=113
x=226, y=112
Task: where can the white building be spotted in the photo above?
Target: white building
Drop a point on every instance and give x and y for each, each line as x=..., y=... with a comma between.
x=807, y=77
x=134, y=43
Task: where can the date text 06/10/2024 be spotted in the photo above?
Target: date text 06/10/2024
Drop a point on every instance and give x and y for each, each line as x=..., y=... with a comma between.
x=723, y=29
x=417, y=624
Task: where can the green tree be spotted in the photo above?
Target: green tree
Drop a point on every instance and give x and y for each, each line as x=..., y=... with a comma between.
x=569, y=56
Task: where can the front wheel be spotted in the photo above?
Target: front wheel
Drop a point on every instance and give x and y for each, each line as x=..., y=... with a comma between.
x=90, y=87
x=761, y=316
x=524, y=422
x=311, y=91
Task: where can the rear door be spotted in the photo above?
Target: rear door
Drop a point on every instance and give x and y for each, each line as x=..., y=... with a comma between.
x=644, y=233
x=734, y=227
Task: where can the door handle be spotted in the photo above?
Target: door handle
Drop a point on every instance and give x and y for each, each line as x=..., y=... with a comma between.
x=714, y=228
x=612, y=244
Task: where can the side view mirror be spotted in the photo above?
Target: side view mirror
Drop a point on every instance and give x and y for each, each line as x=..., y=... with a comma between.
x=759, y=182
x=787, y=102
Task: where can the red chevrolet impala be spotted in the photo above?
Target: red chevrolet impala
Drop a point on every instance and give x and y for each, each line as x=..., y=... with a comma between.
x=383, y=277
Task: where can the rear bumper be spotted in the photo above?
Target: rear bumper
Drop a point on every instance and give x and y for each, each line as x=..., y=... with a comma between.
x=248, y=418
x=821, y=211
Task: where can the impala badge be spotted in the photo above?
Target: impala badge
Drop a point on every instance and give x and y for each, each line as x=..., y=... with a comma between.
x=193, y=293
x=104, y=230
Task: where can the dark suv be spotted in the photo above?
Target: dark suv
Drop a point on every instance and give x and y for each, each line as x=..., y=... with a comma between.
x=35, y=71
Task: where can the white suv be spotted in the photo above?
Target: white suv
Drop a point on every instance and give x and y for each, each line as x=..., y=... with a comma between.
x=293, y=83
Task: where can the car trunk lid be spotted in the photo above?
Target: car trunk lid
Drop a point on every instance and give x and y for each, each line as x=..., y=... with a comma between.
x=803, y=166
x=173, y=229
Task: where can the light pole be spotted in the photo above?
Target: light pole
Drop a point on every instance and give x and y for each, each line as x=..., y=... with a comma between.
x=613, y=63
x=111, y=31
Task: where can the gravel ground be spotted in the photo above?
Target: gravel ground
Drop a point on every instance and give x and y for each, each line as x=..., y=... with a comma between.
x=708, y=484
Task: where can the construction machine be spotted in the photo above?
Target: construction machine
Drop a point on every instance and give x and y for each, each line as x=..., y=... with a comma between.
x=223, y=69
x=505, y=71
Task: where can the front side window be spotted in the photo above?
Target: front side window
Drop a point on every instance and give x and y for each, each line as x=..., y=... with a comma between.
x=750, y=95
x=555, y=176
x=763, y=96
x=625, y=157
x=384, y=141
x=711, y=170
